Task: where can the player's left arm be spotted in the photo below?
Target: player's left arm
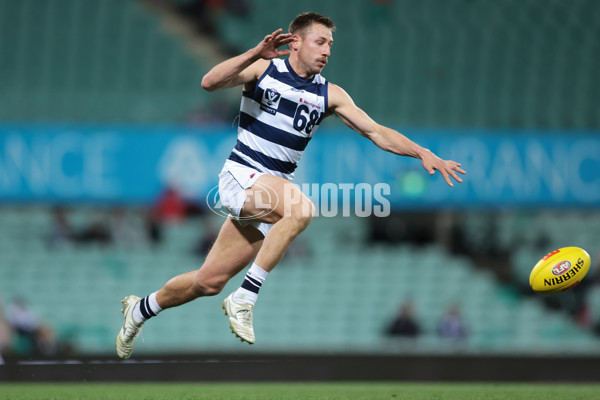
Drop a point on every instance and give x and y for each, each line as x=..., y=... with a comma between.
x=388, y=139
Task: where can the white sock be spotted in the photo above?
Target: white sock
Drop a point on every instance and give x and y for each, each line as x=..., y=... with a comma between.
x=248, y=292
x=146, y=308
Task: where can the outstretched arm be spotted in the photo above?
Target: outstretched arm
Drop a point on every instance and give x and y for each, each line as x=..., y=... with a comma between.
x=247, y=67
x=388, y=139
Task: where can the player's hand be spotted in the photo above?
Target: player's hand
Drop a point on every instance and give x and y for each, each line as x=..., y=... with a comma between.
x=447, y=168
x=269, y=46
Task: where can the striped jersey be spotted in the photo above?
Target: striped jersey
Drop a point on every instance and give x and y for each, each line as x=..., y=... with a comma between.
x=278, y=118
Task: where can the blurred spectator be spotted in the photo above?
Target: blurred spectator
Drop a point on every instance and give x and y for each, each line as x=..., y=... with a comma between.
x=451, y=325
x=404, y=324
x=122, y=227
x=215, y=113
x=153, y=227
x=584, y=317
x=203, y=12
x=209, y=235
x=5, y=333
x=34, y=337
x=96, y=232
x=170, y=207
x=23, y=322
x=298, y=250
x=61, y=232
x=200, y=13
x=46, y=343
x=125, y=230
x=240, y=8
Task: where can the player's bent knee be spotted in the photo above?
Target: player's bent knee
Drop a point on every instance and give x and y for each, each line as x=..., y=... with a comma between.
x=303, y=214
x=209, y=287
x=305, y=220
x=205, y=289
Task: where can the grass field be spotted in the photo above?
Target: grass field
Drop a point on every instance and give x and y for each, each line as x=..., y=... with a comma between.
x=297, y=391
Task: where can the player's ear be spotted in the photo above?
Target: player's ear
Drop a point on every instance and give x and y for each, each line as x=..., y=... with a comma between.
x=295, y=44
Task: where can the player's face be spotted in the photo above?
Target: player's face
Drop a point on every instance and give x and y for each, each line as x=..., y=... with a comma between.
x=315, y=48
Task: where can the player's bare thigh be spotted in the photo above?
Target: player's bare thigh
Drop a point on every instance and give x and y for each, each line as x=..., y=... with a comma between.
x=272, y=197
x=235, y=247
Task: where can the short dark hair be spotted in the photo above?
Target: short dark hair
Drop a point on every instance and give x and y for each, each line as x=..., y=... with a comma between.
x=306, y=19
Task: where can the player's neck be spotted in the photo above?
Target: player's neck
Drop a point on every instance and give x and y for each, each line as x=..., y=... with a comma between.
x=298, y=70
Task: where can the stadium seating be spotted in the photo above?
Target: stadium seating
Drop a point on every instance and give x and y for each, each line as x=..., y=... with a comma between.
x=457, y=64
x=447, y=60
x=454, y=64
x=107, y=61
x=334, y=293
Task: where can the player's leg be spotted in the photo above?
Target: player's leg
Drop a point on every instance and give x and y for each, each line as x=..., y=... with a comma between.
x=281, y=203
x=288, y=209
x=233, y=249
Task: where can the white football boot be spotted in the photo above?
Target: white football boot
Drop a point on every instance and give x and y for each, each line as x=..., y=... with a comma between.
x=130, y=330
x=240, y=319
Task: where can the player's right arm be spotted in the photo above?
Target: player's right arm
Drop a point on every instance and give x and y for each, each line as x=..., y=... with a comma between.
x=388, y=139
x=246, y=68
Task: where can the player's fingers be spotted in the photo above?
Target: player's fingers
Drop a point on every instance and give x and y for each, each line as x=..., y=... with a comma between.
x=456, y=166
x=279, y=43
x=446, y=177
x=285, y=40
x=456, y=177
x=273, y=36
x=283, y=52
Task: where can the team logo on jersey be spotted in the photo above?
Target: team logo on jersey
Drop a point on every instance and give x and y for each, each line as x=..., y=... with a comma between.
x=270, y=101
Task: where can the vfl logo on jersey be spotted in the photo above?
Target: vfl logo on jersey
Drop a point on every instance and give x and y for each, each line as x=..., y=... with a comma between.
x=270, y=101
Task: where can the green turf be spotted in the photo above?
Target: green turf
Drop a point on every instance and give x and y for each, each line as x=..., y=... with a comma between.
x=304, y=391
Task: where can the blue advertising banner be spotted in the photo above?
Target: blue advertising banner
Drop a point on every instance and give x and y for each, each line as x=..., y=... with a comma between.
x=108, y=164
x=503, y=169
x=115, y=164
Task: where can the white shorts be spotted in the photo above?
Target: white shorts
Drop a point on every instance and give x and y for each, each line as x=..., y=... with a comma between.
x=234, y=179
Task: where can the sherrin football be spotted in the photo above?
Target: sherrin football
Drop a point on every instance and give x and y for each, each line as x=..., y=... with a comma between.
x=559, y=270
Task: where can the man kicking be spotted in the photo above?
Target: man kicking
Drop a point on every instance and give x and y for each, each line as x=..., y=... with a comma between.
x=283, y=103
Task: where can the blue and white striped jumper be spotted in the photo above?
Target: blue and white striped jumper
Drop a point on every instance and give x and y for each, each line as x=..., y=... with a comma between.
x=278, y=118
